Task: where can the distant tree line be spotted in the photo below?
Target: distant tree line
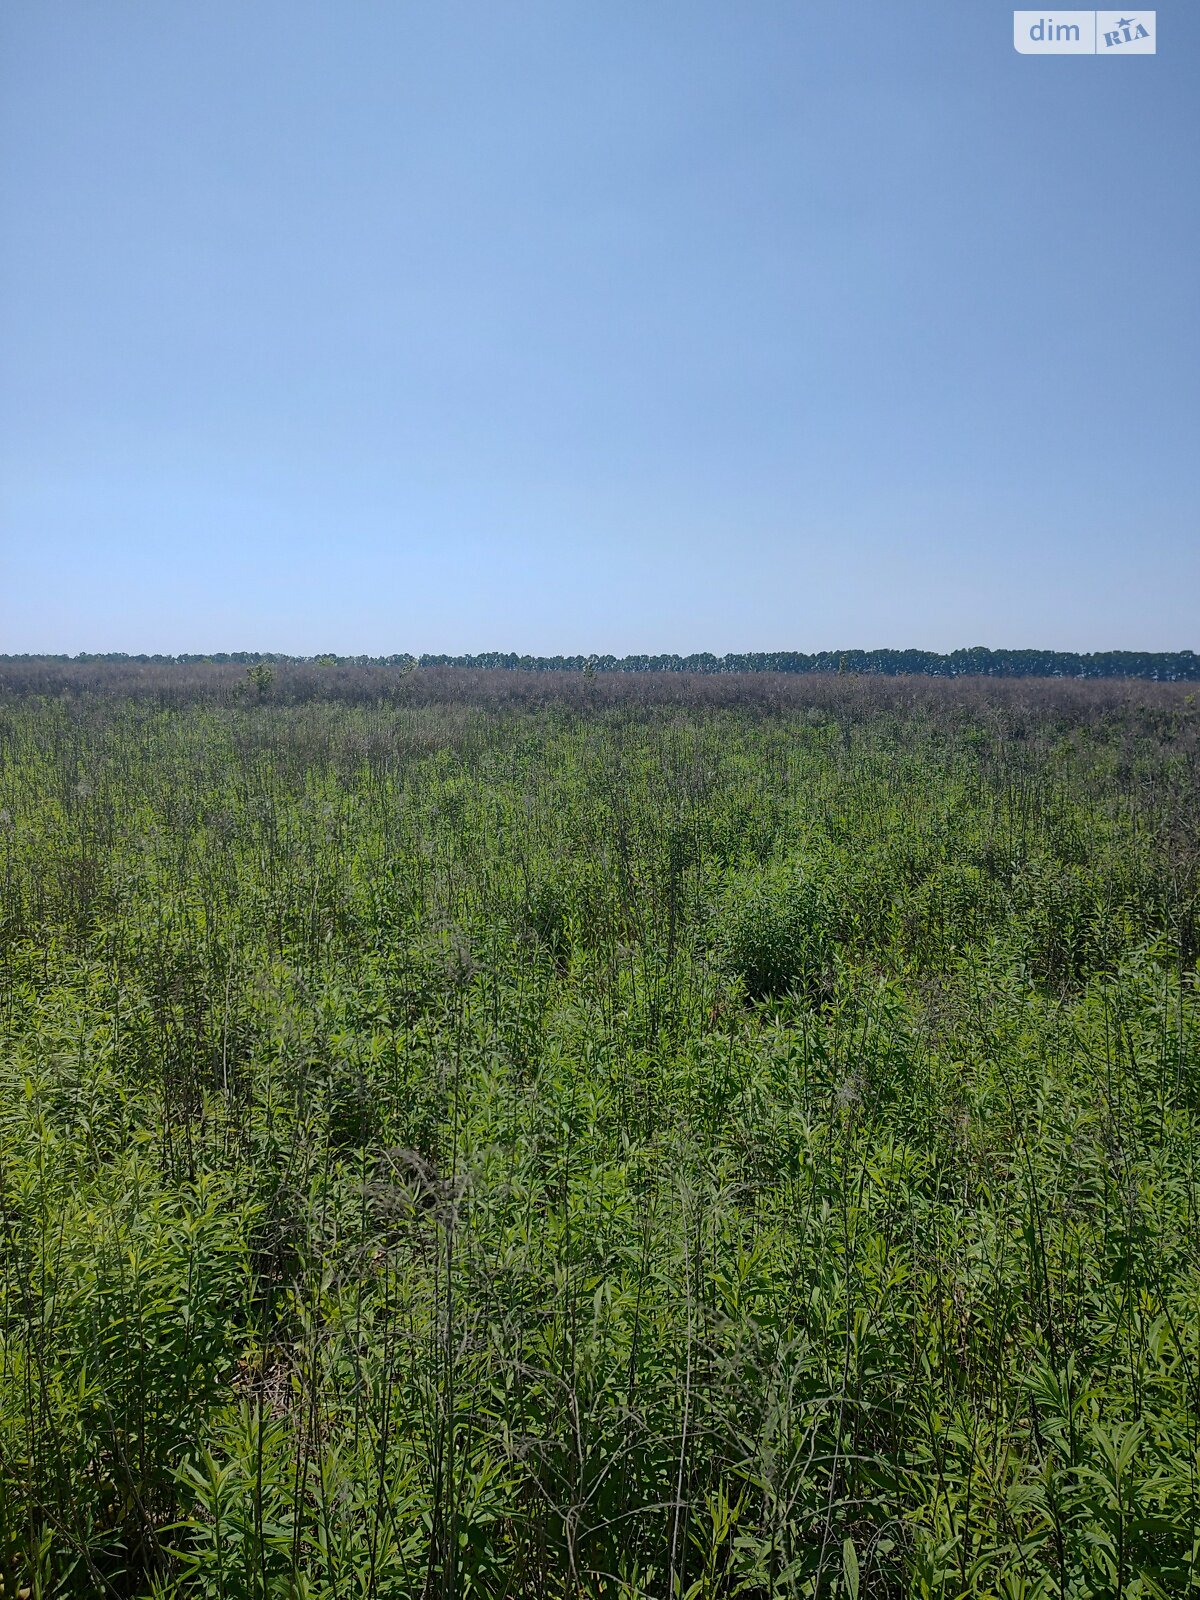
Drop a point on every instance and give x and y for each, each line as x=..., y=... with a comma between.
x=1162, y=666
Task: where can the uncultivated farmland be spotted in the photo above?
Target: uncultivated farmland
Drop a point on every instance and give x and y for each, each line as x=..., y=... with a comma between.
x=469, y=1135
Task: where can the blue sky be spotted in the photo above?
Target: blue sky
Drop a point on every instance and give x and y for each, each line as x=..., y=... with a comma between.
x=423, y=325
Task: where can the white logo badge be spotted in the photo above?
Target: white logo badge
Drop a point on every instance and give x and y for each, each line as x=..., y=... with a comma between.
x=1084, y=33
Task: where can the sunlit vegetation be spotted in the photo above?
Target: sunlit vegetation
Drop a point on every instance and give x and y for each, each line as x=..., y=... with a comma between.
x=687, y=1140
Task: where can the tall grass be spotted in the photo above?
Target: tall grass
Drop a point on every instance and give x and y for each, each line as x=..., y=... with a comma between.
x=600, y=1143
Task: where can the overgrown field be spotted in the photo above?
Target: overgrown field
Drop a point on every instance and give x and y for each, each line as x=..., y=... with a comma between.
x=578, y=1146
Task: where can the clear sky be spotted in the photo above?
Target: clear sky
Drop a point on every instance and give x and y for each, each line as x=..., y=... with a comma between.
x=560, y=325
